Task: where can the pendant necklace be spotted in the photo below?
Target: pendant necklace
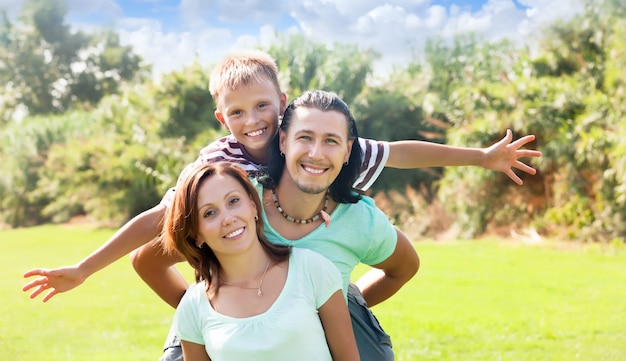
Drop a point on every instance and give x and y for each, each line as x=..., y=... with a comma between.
x=258, y=288
x=316, y=217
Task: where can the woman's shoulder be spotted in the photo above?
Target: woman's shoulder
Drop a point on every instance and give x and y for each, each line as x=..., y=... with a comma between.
x=307, y=256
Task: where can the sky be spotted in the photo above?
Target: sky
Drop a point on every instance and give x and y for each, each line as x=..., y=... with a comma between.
x=170, y=34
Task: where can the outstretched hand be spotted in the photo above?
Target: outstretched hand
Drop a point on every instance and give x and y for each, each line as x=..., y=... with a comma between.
x=504, y=155
x=56, y=281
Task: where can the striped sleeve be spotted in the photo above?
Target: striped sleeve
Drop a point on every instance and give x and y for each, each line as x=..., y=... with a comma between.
x=375, y=156
x=225, y=149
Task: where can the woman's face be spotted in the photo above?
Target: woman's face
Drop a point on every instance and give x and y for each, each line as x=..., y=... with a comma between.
x=226, y=216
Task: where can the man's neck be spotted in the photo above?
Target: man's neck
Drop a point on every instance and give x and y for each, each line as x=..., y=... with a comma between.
x=297, y=203
x=301, y=204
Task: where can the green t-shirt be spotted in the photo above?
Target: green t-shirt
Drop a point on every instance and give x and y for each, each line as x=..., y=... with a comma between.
x=357, y=233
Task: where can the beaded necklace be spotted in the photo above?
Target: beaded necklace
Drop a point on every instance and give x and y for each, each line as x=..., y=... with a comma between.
x=316, y=217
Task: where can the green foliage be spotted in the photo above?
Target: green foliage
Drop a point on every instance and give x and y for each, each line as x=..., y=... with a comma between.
x=23, y=151
x=191, y=107
x=305, y=65
x=569, y=97
x=109, y=164
x=46, y=69
x=388, y=114
x=121, y=156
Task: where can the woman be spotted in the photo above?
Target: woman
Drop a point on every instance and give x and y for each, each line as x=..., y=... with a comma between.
x=253, y=300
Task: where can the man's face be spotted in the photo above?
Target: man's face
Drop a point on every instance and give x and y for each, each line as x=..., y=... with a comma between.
x=251, y=113
x=316, y=146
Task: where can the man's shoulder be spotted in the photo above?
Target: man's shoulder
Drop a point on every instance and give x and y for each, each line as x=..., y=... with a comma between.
x=364, y=207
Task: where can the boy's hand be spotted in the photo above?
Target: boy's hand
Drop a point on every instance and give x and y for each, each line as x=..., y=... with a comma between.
x=56, y=280
x=504, y=155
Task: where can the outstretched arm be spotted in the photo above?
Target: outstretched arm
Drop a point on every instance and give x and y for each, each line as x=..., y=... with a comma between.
x=387, y=277
x=139, y=230
x=501, y=156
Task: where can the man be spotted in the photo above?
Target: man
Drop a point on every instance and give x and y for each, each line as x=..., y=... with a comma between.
x=308, y=202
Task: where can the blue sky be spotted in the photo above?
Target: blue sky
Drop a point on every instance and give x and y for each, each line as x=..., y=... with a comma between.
x=170, y=34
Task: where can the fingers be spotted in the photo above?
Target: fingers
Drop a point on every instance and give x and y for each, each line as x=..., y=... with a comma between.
x=525, y=168
x=37, y=292
x=34, y=283
x=35, y=272
x=523, y=141
x=50, y=294
x=527, y=153
x=514, y=177
x=505, y=140
x=42, y=285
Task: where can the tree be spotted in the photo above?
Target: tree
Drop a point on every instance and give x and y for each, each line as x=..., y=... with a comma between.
x=305, y=65
x=47, y=69
x=191, y=106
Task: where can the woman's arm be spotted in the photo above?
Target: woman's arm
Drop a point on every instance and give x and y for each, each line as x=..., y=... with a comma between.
x=194, y=352
x=338, y=328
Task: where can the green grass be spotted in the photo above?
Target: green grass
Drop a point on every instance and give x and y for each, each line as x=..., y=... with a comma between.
x=482, y=300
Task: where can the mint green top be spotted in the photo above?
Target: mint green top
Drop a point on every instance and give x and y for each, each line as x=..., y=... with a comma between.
x=357, y=233
x=289, y=330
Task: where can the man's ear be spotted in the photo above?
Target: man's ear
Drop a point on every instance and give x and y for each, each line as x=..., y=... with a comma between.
x=347, y=157
x=220, y=117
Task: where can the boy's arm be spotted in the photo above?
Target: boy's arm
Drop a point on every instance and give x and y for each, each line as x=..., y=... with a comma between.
x=155, y=268
x=139, y=230
x=387, y=277
x=501, y=156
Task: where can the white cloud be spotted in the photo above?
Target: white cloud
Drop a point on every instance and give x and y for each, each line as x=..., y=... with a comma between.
x=103, y=7
x=169, y=51
x=395, y=28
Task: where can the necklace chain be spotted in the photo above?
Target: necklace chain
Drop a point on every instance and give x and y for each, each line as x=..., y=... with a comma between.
x=296, y=220
x=258, y=288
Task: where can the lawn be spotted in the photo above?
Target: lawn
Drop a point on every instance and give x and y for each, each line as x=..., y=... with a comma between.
x=479, y=300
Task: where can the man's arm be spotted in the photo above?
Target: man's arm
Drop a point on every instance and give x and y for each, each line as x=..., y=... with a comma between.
x=139, y=230
x=155, y=268
x=387, y=277
x=501, y=156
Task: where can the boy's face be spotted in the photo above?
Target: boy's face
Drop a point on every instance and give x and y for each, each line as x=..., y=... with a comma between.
x=251, y=113
x=316, y=146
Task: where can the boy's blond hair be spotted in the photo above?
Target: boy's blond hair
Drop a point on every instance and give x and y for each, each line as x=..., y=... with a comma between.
x=242, y=69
